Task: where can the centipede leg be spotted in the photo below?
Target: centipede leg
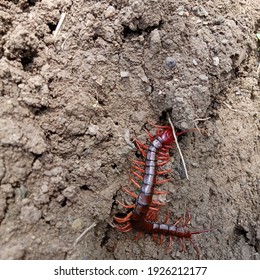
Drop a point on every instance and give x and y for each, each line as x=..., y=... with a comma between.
x=140, y=147
x=126, y=228
x=162, y=172
x=130, y=193
x=135, y=183
x=138, y=162
x=160, y=192
x=163, y=181
x=182, y=245
x=125, y=219
x=169, y=248
x=149, y=134
x=163, y=162
x=125, y=206
x=138, y=235
x=187, y=218
x=196, y=248
x=136, y=174
x=140, y=169
x=158, y=203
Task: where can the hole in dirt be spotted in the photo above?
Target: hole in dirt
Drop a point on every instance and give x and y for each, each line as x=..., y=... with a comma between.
x=94, y=37
x=85, y=188
x=32, y=2
x=138, y=154
x=128, y=32
x=27, y=62
x=114, y=166
x=38, y=111
x=239, y=230
x=106, y=236
x=64, y=202
x=52, y=26
x=164, y=116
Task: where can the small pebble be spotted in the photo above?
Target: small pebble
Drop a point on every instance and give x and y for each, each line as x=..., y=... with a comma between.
x=170, y=62
x=92, y=130
x=216, y=60
x=110, y=12
x=77, y=224
x=194, y=62
x=203, y=77
x=124, y=74
x=30, y=214
x=224, y=41
x=155, y=42
x=200, y=11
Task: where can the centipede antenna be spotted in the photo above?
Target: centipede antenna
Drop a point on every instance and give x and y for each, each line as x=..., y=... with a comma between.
x=178, y=147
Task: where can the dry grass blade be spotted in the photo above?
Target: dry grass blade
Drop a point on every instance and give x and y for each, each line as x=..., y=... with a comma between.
x=178, y=147
x=83, y=233
x=57, y=30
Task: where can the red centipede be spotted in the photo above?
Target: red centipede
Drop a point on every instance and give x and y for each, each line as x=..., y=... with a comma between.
x=143, y=216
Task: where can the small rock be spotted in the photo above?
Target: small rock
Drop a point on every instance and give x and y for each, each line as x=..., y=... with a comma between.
x=200, y=11
x=219, y=20
x=37, y=165
x=30, y=214
x=194, y=62
x=170, y=62
x=44, y=188
x=110, y=12
x=69, y=192
x=224, y=41
x=216, y=60
x=22, y=192
x=124, y=74
x=92, y=130
x=77, y=224
x=203, y=77
x=59, y=224
x=155, y=42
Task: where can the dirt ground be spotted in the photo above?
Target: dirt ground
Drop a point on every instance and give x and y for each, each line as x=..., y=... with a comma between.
x=73, y=101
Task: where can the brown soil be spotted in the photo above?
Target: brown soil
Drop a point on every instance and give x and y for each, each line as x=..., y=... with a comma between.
x=72, y=103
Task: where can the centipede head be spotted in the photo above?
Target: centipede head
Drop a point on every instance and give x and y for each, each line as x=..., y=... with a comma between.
x=166, y=135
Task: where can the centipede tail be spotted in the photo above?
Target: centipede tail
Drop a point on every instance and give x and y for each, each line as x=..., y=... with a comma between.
x=143, y=216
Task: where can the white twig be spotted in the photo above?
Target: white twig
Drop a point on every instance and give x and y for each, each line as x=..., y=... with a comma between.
x=83, y=233
x=178, y=147
x=198, y=120
x=57, y=30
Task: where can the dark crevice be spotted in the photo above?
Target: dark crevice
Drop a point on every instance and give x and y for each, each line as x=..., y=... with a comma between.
x=164, y=115
x=114, y=166
x=85, y=188
x=38, y=111
x=106, y=236
x=52, y=26
x=239, y=230
x=64, y=202
x=129, y=33
x=32, y=2
x=27, y=62
x=94, y=37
